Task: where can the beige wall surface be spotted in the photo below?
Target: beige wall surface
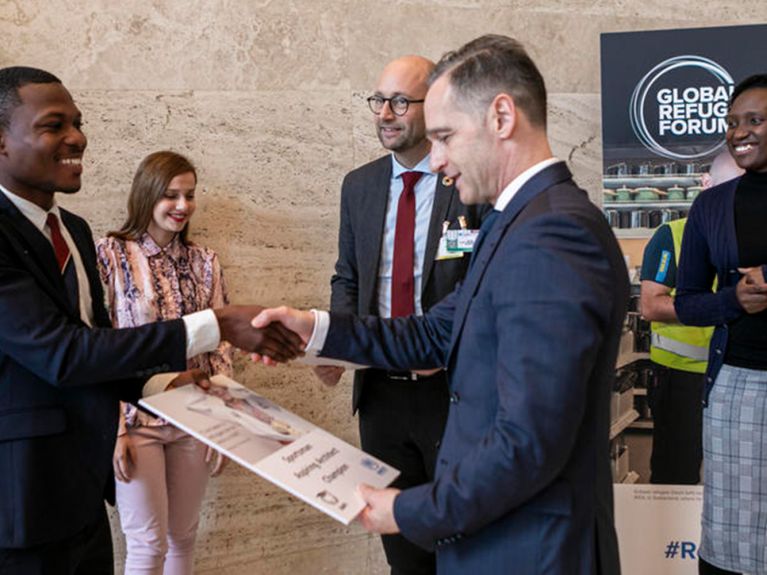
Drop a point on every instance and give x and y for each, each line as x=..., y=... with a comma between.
x=267, y=97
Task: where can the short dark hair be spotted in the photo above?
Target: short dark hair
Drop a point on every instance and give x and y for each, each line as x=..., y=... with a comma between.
x=755, y=81
x=489, y=65
x=13, y=78
x=153, y=176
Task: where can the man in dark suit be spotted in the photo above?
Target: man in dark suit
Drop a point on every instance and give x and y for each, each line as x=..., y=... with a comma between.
x=62, y=370
x=402, y=414
x=529, y=340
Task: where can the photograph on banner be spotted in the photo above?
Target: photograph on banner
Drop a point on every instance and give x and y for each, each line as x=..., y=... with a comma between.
x=274, y=443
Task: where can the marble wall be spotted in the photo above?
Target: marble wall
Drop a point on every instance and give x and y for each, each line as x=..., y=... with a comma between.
x=267, y=97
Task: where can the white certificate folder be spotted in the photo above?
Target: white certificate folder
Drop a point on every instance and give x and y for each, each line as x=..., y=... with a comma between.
x=278, y=445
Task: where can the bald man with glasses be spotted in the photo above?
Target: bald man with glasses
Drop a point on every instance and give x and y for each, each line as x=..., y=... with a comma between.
x=394, y=215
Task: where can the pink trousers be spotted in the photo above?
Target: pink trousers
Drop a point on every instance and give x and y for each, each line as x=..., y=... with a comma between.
x=160, y=506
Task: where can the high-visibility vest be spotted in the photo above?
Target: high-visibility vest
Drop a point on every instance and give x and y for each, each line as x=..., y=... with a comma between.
x=674, y=345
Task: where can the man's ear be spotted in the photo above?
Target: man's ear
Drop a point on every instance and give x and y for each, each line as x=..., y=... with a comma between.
x=503, y=115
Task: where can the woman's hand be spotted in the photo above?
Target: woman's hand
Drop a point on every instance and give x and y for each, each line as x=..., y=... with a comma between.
x=219, y=461
x=124, y=458
x=751, y=290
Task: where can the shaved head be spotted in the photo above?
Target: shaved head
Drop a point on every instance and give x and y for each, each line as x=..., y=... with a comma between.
x=412, y=70
x=405, y=135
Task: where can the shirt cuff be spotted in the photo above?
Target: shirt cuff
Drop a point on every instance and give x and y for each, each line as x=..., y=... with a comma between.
x=158, y=383
x=319, y=333
x=202, y=332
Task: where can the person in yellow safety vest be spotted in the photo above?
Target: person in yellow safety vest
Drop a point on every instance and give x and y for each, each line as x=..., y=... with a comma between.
x=679, y=352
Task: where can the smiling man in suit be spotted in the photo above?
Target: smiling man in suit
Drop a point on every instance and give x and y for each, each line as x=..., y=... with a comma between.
x=394, y=213
x=529, y=340
x=62, y=369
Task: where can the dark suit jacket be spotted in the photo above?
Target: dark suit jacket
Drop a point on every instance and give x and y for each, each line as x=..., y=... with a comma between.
x=364, y=197
x=530, y=341
x=60, y=383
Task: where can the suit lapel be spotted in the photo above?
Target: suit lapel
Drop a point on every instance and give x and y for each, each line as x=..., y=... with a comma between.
x=538, y=183
x=86, y=248
x=443, y=197
x=35, y=251
x=376, y=198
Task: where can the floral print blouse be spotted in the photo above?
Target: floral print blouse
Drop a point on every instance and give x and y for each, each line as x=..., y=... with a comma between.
x=146, y=283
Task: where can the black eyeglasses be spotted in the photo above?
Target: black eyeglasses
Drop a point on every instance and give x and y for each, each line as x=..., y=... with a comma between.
x=398, y=104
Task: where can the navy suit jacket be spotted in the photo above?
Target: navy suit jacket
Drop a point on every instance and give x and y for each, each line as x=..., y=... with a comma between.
x=364, y=197
x=60, y=384
x=523, y=480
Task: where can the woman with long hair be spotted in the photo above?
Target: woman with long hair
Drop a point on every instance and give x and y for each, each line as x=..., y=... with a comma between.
x=152, y=272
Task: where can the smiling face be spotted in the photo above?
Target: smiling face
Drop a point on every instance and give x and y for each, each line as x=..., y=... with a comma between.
x=42, y=147
x=747, y=130
x=404, y=135
x=174, y=209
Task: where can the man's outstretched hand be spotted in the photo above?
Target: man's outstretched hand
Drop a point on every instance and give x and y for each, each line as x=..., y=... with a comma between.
x=272, y=339
x=297, y=322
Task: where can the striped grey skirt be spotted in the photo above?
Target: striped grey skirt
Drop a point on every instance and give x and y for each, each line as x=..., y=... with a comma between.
x=734, y=520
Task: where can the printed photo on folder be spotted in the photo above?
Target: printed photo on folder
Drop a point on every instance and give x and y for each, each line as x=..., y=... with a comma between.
x=278, y=445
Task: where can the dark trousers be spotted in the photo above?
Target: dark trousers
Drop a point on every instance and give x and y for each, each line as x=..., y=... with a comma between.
x=677, y=411
x=89, y=552
x=401, y=423
x=708, y=569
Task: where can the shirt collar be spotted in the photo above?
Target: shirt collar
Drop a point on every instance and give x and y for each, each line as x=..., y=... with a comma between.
x=398, y=169
x=516, y=184
x=150, y=248
x=31, y=210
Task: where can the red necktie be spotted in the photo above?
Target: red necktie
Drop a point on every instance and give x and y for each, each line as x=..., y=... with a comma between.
x=402, y=281
x=59, y=245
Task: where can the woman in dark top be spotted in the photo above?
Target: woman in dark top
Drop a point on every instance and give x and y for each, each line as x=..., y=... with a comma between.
x=726, y=238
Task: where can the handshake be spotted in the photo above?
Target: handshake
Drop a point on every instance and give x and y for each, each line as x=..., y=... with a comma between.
x=273, y=336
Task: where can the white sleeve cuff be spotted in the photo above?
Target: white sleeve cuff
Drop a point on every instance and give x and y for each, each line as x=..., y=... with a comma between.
x=319, y=333
x=202, y=332
x=158, y=383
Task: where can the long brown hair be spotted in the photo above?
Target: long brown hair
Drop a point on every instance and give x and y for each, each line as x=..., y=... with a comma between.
x=152, y=179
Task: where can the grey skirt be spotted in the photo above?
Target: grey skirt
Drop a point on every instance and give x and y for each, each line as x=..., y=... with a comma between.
x=734, y=535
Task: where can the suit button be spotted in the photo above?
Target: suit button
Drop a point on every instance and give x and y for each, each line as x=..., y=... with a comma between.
x=443, y=461
x=437, y=443
x=454, y=397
